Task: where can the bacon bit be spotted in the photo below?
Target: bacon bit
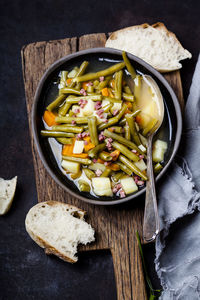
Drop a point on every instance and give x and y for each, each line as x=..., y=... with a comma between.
x=115, y=112
x=106, y=163
x=77, y=110
x=122, y=193
x=117, y=187
x=140, y=182
x=82, y=103
x=98, y=172
x=136, y=179
x=84, y=134
x=110, y=140
x=79, y=136
x=100, y=112
x=83, y=92
x=141, y=156
x=97, y=105
x=134, y=151
x=94, y=160
x=73, y=122
x=101, y=136
x=89, y=83
x=85, y=142
x=101, y=78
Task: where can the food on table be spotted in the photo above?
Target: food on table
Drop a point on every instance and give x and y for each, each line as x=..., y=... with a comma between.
x=59, y=228
x=154, y=44
x=97, y=121
x=7, y=193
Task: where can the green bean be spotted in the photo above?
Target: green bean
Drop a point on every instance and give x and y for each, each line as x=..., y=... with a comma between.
x=106, y=72
x=116, y=176
x=52, y=133
x=92, y=125
x=124, y=168
x=73, y=72
x=137, y=87
x=124, y=150
x=106, y=173
x=68, y=90
x=128, y=65
x=157, y=168
x=104, y=83
x=89, y=173
x=78, y=120
x=135, y=113
x=118, y=85
x=77, y=99
x=105, y=156
x=95, y=83
x=133, y=130
x=83, y=186
x=117, y=129
x=128, y=97
x=132, y=167
x=107, y=107
x=112, y=100
x=66, y=128
x=127, y=133
x=63, y=79
x=94, y=151
x=65, y=141
x=113, y=120
x=90, y=89
x=80, y=72
x=56, y=102
x=84, y=161
x=122, y=140
x=64, y=109
x=127, y=89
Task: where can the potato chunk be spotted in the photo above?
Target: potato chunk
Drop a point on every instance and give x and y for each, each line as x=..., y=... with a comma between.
x=129, y=186
x=102, y=186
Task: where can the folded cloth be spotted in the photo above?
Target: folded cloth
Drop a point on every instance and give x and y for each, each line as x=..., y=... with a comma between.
x=177, y=246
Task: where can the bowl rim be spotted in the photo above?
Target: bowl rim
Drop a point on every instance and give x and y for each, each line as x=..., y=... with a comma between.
x=144, y=64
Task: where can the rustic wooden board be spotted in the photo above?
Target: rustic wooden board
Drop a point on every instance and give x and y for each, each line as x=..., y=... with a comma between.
x=115, y=226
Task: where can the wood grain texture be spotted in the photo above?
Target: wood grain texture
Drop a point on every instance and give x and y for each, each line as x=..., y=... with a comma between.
x=115, y=227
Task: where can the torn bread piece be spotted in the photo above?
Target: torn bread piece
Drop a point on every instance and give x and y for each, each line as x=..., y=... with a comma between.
x=154, y=44
x=7, y=193
x=59, y=228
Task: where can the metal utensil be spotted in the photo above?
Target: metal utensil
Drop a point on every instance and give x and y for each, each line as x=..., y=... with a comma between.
x=151, y=218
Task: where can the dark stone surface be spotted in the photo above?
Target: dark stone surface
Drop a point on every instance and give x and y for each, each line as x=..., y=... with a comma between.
x=25, y=272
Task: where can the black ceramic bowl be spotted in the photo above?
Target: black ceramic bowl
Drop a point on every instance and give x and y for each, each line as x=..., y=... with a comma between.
x=101, y=58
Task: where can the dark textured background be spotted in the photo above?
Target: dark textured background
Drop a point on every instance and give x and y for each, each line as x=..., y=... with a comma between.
x=25, y=272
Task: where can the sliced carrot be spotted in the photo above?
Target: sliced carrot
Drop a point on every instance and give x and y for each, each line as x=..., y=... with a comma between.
x=129, y=105
x=89, y=144
x=127, y=112
x=138, y=119
x=84, y=85
x=80, y=155
x=115, y=154
x=101, y=161
x=49, y=118
x=105, y=92
x=69, y=80
x=113, y=167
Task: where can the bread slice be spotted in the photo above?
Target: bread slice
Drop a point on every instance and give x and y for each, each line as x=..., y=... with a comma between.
x=154, y=44
x=59, y=228
x=7, y=192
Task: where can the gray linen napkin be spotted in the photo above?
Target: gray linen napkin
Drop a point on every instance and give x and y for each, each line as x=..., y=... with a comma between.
x=178, y=244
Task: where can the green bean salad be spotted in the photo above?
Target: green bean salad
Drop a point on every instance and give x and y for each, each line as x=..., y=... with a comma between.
x=102, y=132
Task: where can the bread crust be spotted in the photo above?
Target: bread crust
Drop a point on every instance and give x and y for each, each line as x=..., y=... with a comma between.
x=158, y=26
x=42, y=243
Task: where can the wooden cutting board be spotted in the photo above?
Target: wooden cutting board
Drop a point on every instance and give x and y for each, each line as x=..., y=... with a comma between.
x=115, y=227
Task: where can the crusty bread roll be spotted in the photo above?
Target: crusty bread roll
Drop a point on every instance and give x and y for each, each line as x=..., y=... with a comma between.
x=7, y=192
x=154, y=44
x=59, y=228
